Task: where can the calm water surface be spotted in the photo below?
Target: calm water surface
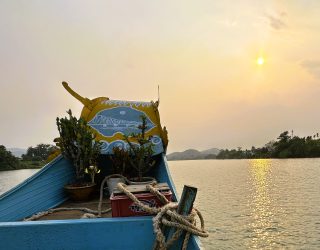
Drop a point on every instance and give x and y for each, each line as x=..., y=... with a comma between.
x=247, y=204
x=9, y=179
x=256, y=204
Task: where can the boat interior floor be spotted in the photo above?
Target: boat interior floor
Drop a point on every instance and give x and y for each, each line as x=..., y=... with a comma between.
x=74, y=214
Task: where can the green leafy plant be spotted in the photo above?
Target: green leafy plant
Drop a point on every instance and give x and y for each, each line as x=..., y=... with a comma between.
x=39, y=152
x=77, y=143
x=140, y=155
x=120, y=161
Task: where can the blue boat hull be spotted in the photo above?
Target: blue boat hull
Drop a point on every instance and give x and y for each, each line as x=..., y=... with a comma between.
x=44, y=190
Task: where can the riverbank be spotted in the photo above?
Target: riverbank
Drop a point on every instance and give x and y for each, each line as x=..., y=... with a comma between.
x=23, y=165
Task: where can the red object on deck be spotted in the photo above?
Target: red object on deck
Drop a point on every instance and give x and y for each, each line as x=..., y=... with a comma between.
x=123, y=206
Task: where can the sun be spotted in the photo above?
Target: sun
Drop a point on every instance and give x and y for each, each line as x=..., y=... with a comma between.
x=260, y=60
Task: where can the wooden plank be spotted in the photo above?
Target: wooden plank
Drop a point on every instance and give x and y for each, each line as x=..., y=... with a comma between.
x=142, y=188
x=187, y=199
x=184, y=208
x=74, y=214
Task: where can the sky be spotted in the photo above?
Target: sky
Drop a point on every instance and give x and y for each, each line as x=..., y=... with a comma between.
x=202, y=54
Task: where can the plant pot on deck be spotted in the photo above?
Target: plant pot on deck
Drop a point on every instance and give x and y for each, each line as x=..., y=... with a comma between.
x=80, y=193
x=113, y=182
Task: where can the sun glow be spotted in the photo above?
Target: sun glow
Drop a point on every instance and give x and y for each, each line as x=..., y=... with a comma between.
x=260, y=60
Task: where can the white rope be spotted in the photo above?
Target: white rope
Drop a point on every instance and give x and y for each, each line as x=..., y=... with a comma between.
x=178, y=221
x=62, y=209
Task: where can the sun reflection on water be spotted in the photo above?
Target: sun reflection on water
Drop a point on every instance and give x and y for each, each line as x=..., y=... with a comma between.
x=263, y=228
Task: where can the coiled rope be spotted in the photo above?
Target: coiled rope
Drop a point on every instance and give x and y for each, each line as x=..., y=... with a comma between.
x=180, y=222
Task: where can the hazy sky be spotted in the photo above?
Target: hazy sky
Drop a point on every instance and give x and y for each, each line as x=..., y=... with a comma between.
x=201, y=53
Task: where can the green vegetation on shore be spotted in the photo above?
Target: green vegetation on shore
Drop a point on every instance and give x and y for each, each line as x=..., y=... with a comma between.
x=286, y=146
x=35, y=157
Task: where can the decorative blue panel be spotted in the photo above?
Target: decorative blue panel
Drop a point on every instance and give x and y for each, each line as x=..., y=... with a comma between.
x=124, y=120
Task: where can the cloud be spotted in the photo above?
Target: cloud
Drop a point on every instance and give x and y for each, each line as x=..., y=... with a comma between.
x=312, y=66
x=228, y=23
x=276, y=21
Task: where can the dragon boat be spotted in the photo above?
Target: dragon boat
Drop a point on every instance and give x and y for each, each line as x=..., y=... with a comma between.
x=45, y=190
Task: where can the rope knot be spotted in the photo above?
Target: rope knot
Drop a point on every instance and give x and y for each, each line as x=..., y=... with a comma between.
x=167, y=215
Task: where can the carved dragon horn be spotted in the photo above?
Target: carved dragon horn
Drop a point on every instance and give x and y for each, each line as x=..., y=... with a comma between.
x=85, y=101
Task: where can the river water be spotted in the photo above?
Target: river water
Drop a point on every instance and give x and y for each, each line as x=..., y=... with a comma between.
x=256, y=204
x=9, y=179
x=246, y=204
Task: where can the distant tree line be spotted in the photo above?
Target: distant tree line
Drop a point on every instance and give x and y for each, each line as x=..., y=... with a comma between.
x=38, y=153
x=7, y=160
x=34, y=157
x=286, y=146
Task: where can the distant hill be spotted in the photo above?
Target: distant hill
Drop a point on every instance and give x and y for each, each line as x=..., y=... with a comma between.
x=17, y=151
x=193, y=154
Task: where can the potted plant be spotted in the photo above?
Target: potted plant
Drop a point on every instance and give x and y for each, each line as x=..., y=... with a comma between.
x=140, y=150
x=77, y=143
x=119, y=159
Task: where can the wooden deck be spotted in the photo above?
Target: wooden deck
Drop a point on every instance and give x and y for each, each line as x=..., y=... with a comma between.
x=93, y=204
x=65, y=215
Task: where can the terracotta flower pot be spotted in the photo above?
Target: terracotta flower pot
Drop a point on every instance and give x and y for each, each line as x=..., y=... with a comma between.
x=80, y=193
